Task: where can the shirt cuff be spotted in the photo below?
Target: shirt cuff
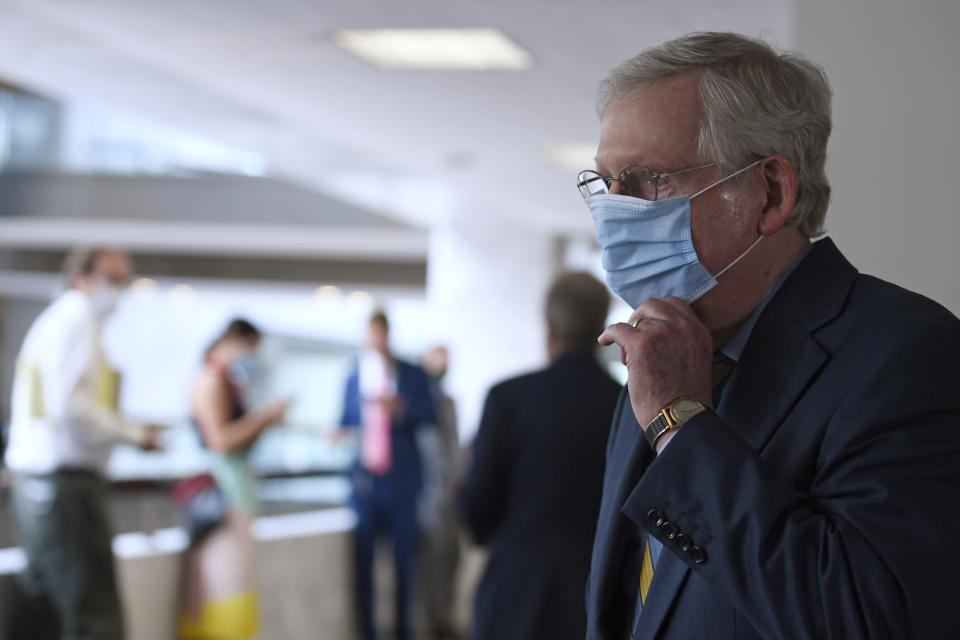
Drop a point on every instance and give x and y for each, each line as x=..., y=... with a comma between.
x=665, y=439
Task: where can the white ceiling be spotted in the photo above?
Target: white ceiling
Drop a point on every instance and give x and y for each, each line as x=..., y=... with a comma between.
x=417, y=145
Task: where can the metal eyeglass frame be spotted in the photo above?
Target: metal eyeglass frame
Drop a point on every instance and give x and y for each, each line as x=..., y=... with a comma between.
x=587, y=176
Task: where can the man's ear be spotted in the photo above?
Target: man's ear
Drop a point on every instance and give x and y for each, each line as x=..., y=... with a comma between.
x=780, y=184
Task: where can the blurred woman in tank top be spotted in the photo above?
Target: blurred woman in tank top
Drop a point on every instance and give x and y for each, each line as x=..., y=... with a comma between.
x=221, y=598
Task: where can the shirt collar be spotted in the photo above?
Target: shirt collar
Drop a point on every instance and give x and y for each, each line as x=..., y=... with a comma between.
x=733, y=347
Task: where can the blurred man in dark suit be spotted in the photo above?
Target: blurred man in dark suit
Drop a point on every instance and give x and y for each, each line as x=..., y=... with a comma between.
x=533, y=489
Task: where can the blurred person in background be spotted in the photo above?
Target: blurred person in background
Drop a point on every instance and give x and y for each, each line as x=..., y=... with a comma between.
x=64, y=424
x=221, y=597
x=440, y=542
x=388, y=400
x=532, y=492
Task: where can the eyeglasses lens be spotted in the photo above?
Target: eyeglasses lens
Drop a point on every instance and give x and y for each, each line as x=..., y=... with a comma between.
x=591, y=183
x=639, y=182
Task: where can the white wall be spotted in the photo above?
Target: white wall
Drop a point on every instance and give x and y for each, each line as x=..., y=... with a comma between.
x=485, y=290
x=895, y=152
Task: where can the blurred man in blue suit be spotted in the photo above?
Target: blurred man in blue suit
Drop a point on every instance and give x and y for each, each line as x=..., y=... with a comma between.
x=785, y=460
x=387, y=400
x=533, y=489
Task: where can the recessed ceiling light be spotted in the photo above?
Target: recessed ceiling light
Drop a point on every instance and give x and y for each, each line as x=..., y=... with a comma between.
x=144, y=284
x=144, y=288
x=570, y=156
x=473, y=49
x=327, y=293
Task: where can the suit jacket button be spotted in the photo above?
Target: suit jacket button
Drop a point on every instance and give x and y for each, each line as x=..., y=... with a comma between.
x=683, y=541
x=656, y=517
x=670, y=530
x=698, y=555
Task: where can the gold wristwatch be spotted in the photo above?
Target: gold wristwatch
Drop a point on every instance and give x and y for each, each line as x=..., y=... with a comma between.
x=673, y=416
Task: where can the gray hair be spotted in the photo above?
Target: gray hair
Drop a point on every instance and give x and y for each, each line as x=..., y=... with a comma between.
x=576, y=309
x=755, y=103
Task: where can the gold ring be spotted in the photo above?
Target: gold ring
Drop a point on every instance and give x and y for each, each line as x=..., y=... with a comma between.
x=636, y=323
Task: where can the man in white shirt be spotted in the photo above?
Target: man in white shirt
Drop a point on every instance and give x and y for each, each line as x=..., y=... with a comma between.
x=64, y=423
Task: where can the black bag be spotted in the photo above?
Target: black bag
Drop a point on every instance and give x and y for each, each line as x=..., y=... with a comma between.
x=202, y=505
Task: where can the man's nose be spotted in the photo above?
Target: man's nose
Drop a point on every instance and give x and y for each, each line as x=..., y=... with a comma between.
x=615, y=187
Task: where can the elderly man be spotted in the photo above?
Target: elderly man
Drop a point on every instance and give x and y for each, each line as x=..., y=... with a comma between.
x=63, y=427
x=785, y=461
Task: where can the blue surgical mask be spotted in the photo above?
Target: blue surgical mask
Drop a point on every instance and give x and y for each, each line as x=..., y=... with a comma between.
x=247, y=370
x=648, y=246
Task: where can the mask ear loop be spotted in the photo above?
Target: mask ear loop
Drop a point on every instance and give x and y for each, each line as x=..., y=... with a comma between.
x=711, y=186
x=738, y=258
x=725, y=178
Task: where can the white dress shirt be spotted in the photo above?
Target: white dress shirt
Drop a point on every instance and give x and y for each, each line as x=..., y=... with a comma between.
x=64, y=394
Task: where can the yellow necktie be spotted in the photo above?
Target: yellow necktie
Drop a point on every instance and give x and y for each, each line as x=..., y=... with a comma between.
x=646, y=576
x=720, y=372
x=646, y=573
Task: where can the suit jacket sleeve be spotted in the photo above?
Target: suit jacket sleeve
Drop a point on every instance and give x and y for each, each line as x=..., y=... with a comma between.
x=484, y=493
x=869, y=549
x=609, y=490
x=419, y=405
x=351, y=402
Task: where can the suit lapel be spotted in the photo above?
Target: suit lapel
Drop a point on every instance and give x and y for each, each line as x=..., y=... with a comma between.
x=763, y=389
x=668, y=578
x=782, y=355
x=779, y=361
x=632, y=455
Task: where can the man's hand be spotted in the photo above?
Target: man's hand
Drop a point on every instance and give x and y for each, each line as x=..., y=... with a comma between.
x=394, y=405
x=667, y=351
x=152, y=438
x=340, y=435
x=275, y=411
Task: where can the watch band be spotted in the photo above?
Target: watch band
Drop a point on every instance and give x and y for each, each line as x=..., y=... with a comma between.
x=673, y=416
x=658, y=426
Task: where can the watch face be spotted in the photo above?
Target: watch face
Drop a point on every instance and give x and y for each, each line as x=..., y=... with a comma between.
x=685, y=409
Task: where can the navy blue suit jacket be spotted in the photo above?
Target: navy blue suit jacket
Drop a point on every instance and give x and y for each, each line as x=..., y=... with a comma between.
x=821, y=496
x=413, y=386
x=532, y=497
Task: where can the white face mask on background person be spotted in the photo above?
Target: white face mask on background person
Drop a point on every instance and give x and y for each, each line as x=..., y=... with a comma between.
x=648, y=247
x=105, y=298
x=247, y=368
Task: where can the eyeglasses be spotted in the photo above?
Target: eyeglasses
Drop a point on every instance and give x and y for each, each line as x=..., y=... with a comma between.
x=636, y=180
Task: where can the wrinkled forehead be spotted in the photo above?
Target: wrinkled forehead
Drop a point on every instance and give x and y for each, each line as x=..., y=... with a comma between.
x=658, y=125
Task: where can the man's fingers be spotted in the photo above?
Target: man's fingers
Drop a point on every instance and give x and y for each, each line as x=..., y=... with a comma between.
x=679, y=306
x=654, y=308
x=616, y=334
x=609, y=337
x=622, y=332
